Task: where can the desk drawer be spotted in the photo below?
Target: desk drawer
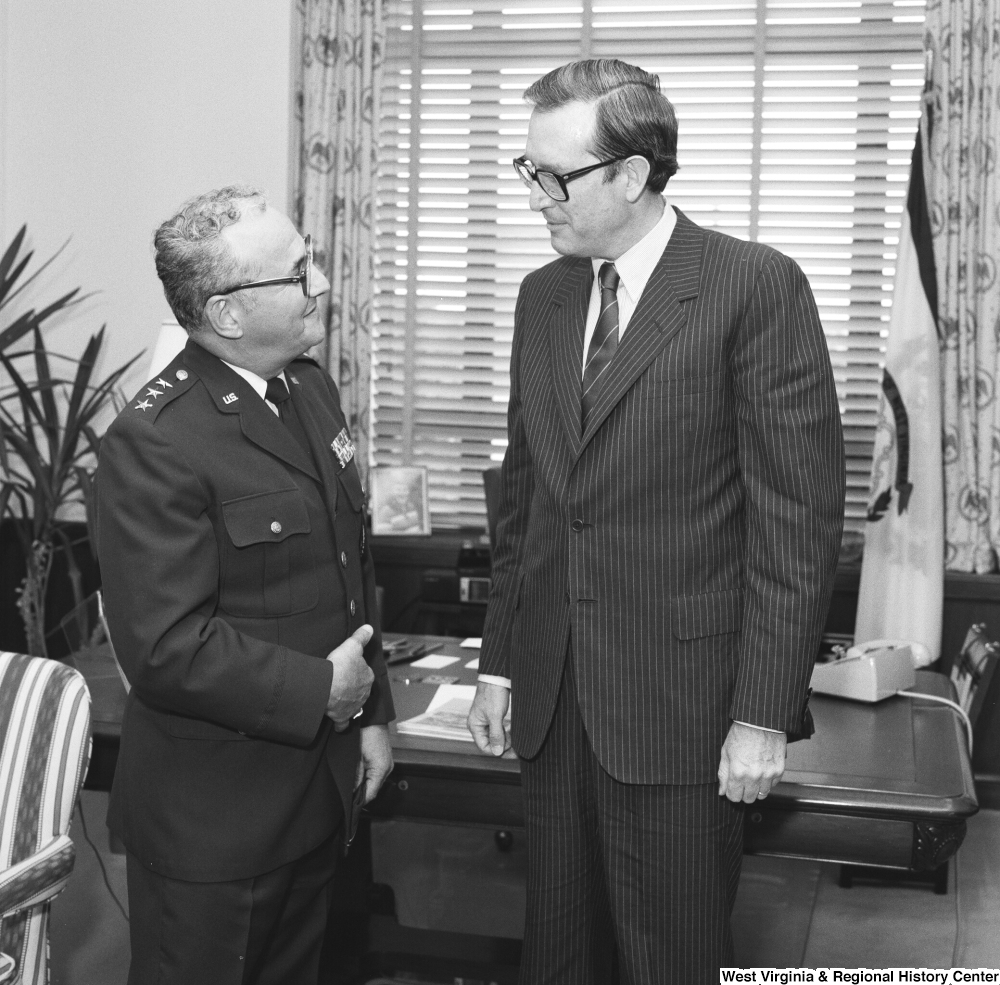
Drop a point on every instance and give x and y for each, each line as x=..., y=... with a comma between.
x=829, y=837
x=450, y=877
x=417, y=796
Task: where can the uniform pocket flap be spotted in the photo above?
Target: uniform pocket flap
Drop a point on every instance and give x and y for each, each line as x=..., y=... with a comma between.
x=182, y=727
x=709, y=614
x=266, y=517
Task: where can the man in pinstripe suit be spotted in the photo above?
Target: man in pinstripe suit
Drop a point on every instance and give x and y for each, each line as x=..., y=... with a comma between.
x=670, y=513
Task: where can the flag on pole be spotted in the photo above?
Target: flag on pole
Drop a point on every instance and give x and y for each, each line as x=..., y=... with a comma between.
x=902, y=573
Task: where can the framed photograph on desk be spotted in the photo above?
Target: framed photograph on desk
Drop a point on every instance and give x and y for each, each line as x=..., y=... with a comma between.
x=399, y=501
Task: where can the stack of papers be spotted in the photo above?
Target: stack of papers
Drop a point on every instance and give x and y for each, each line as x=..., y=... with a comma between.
x=445, y=716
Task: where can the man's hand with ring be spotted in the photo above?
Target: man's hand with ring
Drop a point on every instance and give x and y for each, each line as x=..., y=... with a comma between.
x=752, y=761
x=487, y=718
x=352, y=679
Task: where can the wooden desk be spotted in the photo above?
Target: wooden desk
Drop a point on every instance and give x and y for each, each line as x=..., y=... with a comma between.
x=887, y=784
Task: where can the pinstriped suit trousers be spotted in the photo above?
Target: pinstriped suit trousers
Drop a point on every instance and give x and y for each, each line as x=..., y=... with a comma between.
x=627, y=883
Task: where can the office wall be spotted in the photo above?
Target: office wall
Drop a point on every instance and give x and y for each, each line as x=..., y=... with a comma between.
x=112, y=112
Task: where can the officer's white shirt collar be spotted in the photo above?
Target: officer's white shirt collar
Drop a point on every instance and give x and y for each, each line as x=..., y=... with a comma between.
x=258, y=383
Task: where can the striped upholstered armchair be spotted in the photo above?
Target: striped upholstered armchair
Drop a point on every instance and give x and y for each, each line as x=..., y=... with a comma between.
x=44, y=751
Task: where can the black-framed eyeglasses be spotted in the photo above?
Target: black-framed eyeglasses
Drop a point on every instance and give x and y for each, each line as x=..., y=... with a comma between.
x=303, y=277
x=554, y=185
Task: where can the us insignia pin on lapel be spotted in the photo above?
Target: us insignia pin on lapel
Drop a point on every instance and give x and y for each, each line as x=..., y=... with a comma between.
x=343, y=448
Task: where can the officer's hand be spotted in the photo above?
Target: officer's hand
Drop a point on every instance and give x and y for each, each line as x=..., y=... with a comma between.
x=486, y=718
x=376, y=760
x=352, y=679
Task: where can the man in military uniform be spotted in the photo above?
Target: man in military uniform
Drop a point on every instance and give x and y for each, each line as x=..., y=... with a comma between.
x=240, y=596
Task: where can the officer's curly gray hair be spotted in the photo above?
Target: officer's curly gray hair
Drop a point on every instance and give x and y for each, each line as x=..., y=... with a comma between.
x=193, y=261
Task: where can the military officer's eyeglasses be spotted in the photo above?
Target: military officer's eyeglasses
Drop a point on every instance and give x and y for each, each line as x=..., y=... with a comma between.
x=554, y=185
x=303, y=277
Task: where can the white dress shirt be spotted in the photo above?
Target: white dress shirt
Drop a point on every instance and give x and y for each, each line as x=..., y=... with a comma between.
x=258, y=383
x=635, y=267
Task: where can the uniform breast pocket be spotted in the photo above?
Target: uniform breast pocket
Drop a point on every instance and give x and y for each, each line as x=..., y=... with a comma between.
x=268, y=566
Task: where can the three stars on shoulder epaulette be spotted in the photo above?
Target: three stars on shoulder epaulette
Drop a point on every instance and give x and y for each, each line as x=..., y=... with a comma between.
x=145, y=401
x=151, y=392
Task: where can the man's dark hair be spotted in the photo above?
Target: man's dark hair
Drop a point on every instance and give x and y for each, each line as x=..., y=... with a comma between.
x=633, y=116
x=192, y=260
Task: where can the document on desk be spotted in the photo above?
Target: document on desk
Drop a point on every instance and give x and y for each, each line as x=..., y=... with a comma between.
x=445, y=716
x=435, y=661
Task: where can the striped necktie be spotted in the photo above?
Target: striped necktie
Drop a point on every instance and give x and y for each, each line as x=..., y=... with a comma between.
x=604, y=341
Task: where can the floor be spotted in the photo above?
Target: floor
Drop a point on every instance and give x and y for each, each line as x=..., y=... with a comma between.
x=789, y=913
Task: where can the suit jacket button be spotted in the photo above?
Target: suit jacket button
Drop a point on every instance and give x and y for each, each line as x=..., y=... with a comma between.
x=275, y=527
x=354, y=608
x=343, y=559
x=576, y=526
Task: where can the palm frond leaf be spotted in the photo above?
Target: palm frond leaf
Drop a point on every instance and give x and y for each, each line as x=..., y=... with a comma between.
x=24, y=391
x=7, y=262
x=44, y=387
x=17, y=329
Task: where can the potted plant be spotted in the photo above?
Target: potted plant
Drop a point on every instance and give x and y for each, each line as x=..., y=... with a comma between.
x=50, y=406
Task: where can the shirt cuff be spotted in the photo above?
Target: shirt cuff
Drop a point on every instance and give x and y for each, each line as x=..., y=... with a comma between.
x=761, y=728
x=499, y=681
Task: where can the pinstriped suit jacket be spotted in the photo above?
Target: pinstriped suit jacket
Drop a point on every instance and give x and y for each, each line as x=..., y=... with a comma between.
x=687, y=541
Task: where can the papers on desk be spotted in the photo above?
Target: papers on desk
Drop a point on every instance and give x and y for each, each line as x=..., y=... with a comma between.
x=434, y=661
x=445, y=716
x=472, y=643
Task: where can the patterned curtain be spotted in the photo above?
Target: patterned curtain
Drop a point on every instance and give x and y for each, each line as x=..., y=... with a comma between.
x=963, y=43
x=337, y=111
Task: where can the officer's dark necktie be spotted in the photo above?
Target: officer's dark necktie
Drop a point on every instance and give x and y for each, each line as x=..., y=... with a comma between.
x=604, y=341
x=278, y=394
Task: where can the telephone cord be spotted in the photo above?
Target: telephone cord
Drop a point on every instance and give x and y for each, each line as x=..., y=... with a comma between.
x=944, y=701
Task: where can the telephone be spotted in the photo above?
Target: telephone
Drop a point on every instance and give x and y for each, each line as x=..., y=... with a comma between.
x=870, y=671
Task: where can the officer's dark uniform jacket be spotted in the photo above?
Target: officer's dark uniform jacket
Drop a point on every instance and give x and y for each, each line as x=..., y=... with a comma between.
x=233, y=562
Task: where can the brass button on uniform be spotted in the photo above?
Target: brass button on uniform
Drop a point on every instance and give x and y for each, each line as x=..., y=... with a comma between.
x=343, y=559
x=181, y=374
x=354, y=608
x=576, y=526
x=275, y=527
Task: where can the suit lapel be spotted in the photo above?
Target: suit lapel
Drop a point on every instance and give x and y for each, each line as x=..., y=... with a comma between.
x=566, y=330
x=233, y=395
x=658, y=318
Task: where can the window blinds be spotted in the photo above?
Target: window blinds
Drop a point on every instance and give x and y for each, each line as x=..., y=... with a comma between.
x=797, y=119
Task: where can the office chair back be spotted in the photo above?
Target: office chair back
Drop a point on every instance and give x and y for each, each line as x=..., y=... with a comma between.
x=44, y=752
